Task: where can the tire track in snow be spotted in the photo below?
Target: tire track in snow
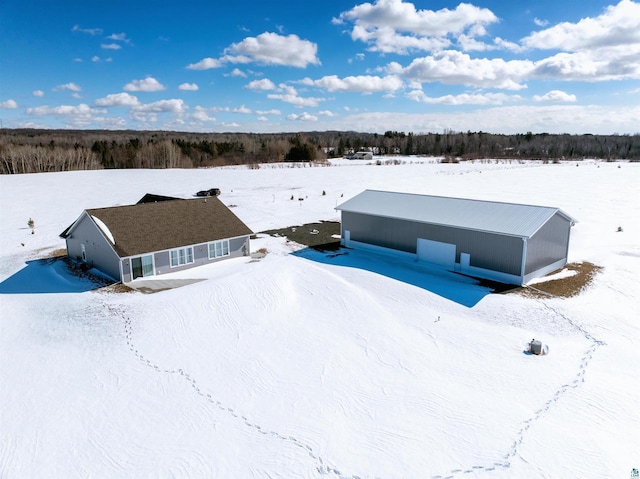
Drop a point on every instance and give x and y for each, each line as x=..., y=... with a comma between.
x=505, y=463
x=322, y=466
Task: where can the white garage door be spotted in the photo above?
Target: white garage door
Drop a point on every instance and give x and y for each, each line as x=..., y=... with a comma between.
x=436, y=252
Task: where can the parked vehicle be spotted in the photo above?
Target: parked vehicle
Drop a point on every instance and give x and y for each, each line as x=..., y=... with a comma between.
x=211, y=192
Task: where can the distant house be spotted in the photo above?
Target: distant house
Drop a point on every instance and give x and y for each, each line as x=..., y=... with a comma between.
x=157, y=236
x=506, y=242
x=361, y=155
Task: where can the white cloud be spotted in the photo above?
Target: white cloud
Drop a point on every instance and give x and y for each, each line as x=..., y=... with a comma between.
x=111, y=123
x=81, y=110
x=555, y=96
x=9, y=104
x=503, y=44
x=235, y=59
x=395, y=26
x=540, y=23
x=68, y=86
x=38, y=93
x=302, y=117
x=362, y=83
x=149, y=112
x=90, y=31
x=618, y=25
x=585, y=66
x=205, y=64
x=110, y=46
x=148, y=84
x=95, y=58
x=119, y=37
x=238, y=73
x=464, y=98
x=453, y=67
x=326, y=113
x=267, y=49
x=263, y=84
x=117, y=99
x=188, y=87
x=469, y=43
x=268, y=112
x=262, y=118
x=387, y=40
x=242, y=109
x=295, y=100
x=201, y=114
x=288, y=94
x=162, y=106
x=273, y=49
x=606, y=47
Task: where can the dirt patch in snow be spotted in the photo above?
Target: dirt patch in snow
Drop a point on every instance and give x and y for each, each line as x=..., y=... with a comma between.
x=320, y=236
x=117, y=288
x=583, y=275
x=56, y=253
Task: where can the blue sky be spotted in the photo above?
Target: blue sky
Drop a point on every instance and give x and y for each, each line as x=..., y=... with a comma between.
x=280, y=65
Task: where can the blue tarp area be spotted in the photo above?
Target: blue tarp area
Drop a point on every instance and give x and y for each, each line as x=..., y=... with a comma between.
x=51, y=275
x=452, y=286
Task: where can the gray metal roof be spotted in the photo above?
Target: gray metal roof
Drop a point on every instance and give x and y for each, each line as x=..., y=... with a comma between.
x=490, y=216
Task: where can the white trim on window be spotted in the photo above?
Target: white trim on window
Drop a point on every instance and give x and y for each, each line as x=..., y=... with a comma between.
x=218, y=249
x=180, y=256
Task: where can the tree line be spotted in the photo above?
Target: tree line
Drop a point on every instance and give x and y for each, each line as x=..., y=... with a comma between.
x=33, y=151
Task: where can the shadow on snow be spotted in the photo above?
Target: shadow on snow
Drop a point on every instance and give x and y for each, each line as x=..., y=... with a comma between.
x=449, y=285
x=51, y=275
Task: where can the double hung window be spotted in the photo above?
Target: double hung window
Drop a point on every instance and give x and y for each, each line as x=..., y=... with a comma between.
x=181, y=256
x=218, y=249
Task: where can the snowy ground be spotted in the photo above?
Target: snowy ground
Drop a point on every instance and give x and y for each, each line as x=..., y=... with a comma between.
x=308, y=365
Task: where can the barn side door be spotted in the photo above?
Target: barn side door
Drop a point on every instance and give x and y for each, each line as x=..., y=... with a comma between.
x=465, y=262
x=347, y=238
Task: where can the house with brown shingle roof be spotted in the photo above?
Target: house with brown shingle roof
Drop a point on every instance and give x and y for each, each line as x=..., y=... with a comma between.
x=154, y=238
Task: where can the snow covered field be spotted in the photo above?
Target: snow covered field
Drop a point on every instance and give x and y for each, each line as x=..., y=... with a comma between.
x=307, y=365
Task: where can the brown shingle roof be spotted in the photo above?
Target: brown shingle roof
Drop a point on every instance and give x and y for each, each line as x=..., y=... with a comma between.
x=152, y=198
x=148, y=227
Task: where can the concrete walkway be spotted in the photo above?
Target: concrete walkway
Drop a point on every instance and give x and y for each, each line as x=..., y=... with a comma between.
x=156, y=285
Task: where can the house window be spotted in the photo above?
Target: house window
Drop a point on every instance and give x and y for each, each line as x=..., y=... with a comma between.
x=181, y=256
x=218, y=249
